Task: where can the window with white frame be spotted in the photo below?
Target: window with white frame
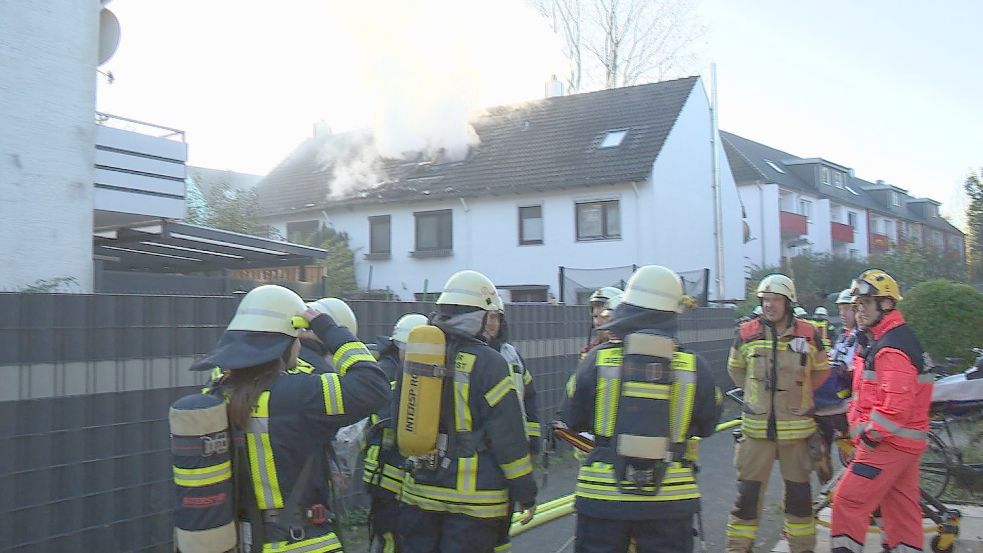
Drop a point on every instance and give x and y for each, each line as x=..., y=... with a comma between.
x=895, y=199
x=851, y=218
x=838, y=179
x=805, y=208
x=824, y=175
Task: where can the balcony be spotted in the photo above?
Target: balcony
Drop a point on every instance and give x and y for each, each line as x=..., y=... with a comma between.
x=879, y=242
x=793, y=224
x=140, y=171
x=841, y=233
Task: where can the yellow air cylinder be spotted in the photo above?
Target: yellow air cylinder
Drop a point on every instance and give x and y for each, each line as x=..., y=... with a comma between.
x=420, y=391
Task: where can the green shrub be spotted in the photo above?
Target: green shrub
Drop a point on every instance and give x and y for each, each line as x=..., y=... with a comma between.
x=947, y=317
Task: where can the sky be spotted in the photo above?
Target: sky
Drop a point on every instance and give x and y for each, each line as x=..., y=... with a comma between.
x=890, y=88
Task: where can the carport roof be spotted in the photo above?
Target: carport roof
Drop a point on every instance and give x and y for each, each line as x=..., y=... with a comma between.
x=167, y=246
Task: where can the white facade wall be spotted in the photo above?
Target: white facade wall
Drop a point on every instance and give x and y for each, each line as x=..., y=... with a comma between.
x=47, y=138
x=486, y=239
x=820, y=232
x=682, y=221
x=762, y=207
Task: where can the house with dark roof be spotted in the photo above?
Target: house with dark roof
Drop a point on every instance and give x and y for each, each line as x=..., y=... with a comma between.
x=604, y=179
x=799, y=205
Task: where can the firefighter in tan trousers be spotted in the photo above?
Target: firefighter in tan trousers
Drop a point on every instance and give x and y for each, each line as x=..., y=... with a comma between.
x=779, y=360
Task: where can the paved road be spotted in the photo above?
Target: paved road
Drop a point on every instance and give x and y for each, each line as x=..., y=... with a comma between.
x=717, y=483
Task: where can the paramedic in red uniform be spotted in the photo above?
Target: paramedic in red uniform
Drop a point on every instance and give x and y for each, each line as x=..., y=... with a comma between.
x=888, y=423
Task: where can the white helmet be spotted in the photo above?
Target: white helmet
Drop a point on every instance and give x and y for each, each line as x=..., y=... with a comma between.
x=337, y=310
x=469, y=288
x=758, y=310
x=655, y=287
x=499, y=303
x=777, y=284
x=799, y=311
x=844, y=297
x=820, y=312
x=401, y=332
x=603, y=296
x=268, y=308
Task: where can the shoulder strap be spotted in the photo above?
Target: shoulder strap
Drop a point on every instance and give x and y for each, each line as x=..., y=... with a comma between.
x=292, y=516
x=749, y=330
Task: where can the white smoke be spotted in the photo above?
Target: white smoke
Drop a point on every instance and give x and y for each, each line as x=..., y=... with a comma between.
x=427, y=68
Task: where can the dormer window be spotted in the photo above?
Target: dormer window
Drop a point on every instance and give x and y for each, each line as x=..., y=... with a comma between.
x=774, y=166
x=895, y=199
x=838, y=180
x=824, y=175
x=613, y=138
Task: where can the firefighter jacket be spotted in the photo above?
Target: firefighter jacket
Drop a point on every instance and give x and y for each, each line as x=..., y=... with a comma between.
x=526, y=388
x=893, y=392
x=486, y=464
x=775, y=370
x=314, y=355
x=825, y=334
x=383, y=471
x=592, y=406
x=295, y=419
x=831, y=397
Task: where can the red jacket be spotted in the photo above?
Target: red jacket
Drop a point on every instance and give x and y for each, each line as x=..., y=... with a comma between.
x=892, y=401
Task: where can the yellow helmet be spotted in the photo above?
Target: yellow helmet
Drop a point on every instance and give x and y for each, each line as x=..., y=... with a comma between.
x=877, y=284
x=655, y=287
x=339, y=311
x=406, y=323
x=469, y=288
x=777, y=284
x=268, y=308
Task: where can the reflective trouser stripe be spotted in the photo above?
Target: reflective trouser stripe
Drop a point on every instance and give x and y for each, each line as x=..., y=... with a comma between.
x=320, y=544
x=205, y=476
x=846, y=543
x=503, y=547
x=532, y=429
x=349, y=354
x=800, y=528
x=747, y=531
x=388, y=543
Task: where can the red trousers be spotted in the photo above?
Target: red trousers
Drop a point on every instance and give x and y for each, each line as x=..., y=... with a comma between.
x=885, y=477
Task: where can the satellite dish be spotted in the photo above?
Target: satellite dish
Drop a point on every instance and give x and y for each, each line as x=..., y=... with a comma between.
x=108, y=35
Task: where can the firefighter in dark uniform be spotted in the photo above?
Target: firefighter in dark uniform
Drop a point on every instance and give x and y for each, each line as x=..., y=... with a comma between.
x=644, y=398
x=284, y=422
x=460, y=501
x=383, y=472
x=312, y=351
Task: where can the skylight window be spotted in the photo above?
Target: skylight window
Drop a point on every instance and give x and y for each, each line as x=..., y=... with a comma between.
x=774, y=166
x=852, y=191
x=613, y=138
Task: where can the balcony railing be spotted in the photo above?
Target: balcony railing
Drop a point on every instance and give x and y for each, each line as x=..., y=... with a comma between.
x=879, y=242
x=841, y=233
x=793, y=223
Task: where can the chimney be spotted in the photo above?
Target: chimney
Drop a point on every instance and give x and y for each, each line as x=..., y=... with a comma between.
x=554, y=87
x=321, y=128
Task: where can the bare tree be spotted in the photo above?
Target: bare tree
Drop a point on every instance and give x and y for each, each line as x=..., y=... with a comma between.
x=614, y=43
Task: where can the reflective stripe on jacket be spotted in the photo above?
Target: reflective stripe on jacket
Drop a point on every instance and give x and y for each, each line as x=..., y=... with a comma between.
x=776, y=374
x=892, y=391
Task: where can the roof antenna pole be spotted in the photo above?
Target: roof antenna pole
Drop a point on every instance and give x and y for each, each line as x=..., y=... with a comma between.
x=718, y=231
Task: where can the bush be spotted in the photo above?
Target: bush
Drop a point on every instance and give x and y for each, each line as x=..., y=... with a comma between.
x=947, y=317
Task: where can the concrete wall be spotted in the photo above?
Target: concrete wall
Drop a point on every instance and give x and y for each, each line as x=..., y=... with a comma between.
x=48, y=56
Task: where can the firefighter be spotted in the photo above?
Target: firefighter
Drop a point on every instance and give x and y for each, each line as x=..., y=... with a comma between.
x=833, y=397
x=383, y=470
x=496, y=334
x=643, y=397
x=779, y=361
x=314, y=356
x=459, y=499
x=889, y=420
x=285, y=421
x=820, y=319
x=600, y=300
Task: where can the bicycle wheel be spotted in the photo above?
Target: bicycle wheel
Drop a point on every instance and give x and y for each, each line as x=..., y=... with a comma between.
x=935, y=467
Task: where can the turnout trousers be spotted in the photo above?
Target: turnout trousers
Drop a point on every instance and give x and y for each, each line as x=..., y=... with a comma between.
x=384, y=524
x=754, y=459
x=438, y=532
x=885, y=477
x=601, y=535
